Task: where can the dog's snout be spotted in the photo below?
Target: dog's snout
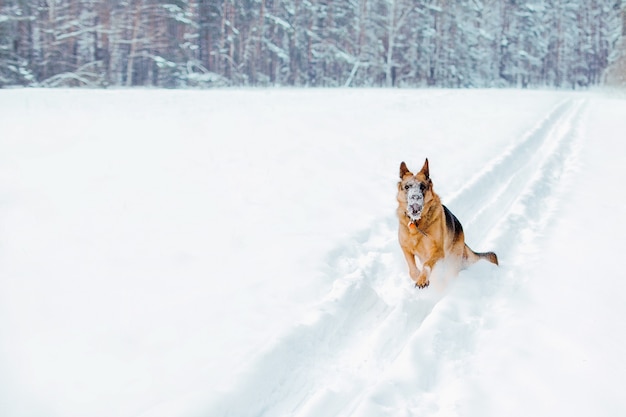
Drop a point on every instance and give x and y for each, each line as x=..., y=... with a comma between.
x=415, y=202
x=414, y=194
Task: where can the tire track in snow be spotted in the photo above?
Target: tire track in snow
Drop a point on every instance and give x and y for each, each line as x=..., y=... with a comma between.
x=499, y=183
x=330, y=364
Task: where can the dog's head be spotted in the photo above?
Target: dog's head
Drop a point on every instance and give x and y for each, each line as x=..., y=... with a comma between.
x=414, y=190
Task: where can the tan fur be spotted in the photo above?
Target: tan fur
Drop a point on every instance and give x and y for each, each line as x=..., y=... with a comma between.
x=435, y=236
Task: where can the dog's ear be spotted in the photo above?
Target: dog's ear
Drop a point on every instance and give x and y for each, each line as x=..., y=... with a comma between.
x=425, y=170
x=403, y=170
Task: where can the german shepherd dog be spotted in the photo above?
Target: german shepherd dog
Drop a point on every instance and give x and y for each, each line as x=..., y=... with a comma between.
x=429, y=230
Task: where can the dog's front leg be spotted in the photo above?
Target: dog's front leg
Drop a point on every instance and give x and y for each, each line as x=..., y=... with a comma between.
x=424, y=277
x=414, y=271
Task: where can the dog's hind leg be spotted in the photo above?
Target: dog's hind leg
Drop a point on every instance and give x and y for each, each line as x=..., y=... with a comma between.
x=470, y=257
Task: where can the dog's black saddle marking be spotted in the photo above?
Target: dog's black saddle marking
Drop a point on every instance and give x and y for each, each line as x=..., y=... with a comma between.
x=452, y=223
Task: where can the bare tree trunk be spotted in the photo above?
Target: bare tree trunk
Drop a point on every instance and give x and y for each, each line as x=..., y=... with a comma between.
x=557, y=55
x=231, y=46
x=258, y=62
x=223, y=37
x=49, y=41
x=294, y=50
x=391, y=17
x=362, y=21
x=104, y=41
x=309, y=50
x=52, y=13
x=204, y=34
x=133, y=45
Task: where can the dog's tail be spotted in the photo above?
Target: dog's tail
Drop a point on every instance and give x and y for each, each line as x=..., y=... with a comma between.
x=470, y=257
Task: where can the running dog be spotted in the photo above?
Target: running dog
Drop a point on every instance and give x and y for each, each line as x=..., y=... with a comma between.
x=429, y=230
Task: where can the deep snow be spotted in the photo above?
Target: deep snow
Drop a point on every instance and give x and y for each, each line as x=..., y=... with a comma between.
x=213, y=253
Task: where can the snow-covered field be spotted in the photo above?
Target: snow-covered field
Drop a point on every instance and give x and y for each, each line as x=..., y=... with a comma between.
x=234, y=253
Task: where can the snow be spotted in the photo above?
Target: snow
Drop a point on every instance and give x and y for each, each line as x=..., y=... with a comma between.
x=234, y=252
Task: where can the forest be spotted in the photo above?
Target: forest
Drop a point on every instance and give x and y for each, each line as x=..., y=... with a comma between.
x=307, y=43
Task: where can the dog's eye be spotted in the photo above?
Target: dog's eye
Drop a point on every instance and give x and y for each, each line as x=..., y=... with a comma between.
x=422, y=187
x=406, y=187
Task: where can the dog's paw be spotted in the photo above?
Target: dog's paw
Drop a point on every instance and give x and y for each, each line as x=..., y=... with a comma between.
x=422, y=280
x=422, y=284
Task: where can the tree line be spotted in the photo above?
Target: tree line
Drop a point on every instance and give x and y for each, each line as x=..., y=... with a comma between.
x=326, y=43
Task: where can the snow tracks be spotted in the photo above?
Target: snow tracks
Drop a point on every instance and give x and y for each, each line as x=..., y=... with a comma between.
x=377, y=346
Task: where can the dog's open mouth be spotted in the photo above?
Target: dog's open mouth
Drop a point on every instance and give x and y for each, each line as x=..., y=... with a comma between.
x=415, y=203
x=415, y=211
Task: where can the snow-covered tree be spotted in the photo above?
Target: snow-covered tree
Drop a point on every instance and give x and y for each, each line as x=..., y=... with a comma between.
x=181, y=43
